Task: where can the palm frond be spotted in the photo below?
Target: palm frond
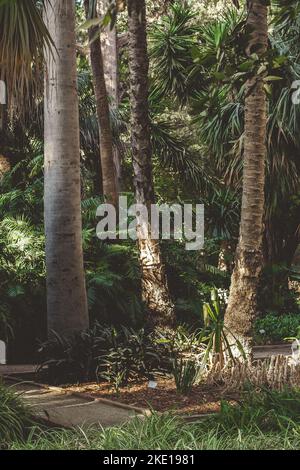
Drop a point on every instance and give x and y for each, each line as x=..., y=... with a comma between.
x=23, y=36
x=171, y=42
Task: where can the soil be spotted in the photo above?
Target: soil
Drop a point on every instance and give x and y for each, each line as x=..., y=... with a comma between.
x=201, y=400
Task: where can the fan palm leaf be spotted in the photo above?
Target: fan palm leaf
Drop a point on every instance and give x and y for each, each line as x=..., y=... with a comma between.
x=23, y=35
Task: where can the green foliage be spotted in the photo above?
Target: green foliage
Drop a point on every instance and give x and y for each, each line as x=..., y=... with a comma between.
x=99, y=353
x=198, y=71
x=72, y=359
x=171, y=41
x=130, y=355
x=112, y=269
x=122, y=354
x=23, y=35
x=217, y=336
x=186, y=372
x=275, y=328
x=217, y=59
x=184, y=339
x=222, y=213
x=275, y=294
x=22, y=266
x=192, y=276
x=264, y=410
x=14, y=417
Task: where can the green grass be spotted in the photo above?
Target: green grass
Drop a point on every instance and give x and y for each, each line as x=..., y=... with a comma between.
x=159, y=433
x=264, y=420
x=14, y=417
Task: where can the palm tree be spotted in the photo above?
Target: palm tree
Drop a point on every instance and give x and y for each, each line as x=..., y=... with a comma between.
x=66, y=293
x=154, y=283
x=219, y=116
x=110, y=51
x=109, y=178
x=242, y=306
x=23, y=35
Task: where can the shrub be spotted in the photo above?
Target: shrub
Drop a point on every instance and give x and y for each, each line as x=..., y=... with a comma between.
x=274, y=328
x=216, y=334
x=182, y=340
x=69, y=359
x=14, y=416
x=99, y=352
x=132, y=354
x=186, y=373
x=266, y=410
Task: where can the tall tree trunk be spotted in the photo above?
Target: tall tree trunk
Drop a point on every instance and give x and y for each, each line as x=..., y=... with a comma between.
x=109, y=41
x=110, y=51
x=154, y=283
x=242, y=306
x=66, y=293
x=5, y=166
x=109, y=178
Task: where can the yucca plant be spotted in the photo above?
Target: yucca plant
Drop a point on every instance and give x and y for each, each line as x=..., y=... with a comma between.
x=217, y=335
x=171, y=41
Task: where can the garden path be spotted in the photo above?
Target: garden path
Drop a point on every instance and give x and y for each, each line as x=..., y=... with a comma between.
x=56, y=407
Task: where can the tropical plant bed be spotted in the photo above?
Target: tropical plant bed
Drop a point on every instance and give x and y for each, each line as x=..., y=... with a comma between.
x=202, y=399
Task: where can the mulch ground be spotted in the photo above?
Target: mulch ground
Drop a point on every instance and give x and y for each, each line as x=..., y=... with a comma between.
x=201, y=400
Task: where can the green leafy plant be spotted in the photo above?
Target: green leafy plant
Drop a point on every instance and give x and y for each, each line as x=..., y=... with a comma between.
x=184, y=342
x=217, y=334
x=186, y=373
x=71, y=359
x=99, y=353
x=14, y=416
x=274, y=328
x=265, y=410
x=131, y=355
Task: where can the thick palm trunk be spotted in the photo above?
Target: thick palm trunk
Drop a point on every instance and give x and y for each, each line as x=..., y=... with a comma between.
x=66, y=294
x=242, y=306
x=154, y=283
x=109, y=178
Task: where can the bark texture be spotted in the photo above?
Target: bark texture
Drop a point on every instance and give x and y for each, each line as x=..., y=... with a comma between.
x=154, y=282
x=109, y=178
x=225, y=256
x=110, y=51
x=109, y=41
x=5, y=166
x=242, y=306
x=66, y=293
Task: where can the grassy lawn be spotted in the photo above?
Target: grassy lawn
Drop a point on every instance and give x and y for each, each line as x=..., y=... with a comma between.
x=160, y=433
